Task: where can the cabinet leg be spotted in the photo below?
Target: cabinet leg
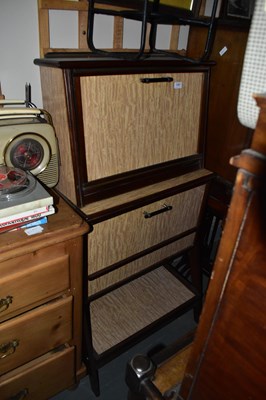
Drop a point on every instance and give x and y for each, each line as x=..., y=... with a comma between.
x=196, y=278
x=133, y=396
x=88, y=352
x=197, y=310
x=95, y=383
x=196, y=271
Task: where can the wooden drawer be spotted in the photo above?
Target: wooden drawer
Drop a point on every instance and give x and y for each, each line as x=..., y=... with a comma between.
x=40, y=379
x=34, y=333
x=138, y=265
x=118, y=238
x=33, y=283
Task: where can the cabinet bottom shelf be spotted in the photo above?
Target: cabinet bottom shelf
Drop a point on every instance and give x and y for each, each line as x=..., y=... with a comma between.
x=138, y=304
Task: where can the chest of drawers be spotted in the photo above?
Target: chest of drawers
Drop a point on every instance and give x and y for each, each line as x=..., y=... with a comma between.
x=41, y=307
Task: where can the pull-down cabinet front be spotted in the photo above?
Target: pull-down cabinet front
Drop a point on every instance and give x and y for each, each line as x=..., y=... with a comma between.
x=137, y=121
x=122, y=125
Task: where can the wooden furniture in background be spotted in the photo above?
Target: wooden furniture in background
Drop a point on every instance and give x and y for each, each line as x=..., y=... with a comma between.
x=44, y=8
x=228, y=354
x=227, y=358
x=81, y=7
x=152, y=15
x=132, y=143
x=226, y=136
x=41, y=307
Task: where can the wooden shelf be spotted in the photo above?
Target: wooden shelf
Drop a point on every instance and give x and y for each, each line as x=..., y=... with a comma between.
x=135, y=306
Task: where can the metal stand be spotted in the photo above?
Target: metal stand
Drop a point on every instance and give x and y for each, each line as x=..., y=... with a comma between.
x=152, y=13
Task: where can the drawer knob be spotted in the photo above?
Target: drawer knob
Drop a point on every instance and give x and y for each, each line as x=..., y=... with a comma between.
x=164, y=208
x=20, y=395
x=5, y=302
x=6, y=349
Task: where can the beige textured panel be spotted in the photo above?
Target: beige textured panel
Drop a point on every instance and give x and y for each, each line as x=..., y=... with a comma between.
x=119, y=314
x=130, y=125
x=139, y=193
x=54, y=101
x=118, y=238
x=138, y=265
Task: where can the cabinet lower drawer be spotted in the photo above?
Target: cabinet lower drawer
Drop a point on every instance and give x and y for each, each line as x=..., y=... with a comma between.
x=41, y=378
x=33, y=283
x=125, y=235
x=35, y=333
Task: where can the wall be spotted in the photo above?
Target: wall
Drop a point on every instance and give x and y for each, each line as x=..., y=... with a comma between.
x=18, y=47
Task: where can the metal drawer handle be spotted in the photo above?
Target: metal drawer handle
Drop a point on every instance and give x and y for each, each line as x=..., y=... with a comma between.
x=156, y=80
x=5, y=302
x=20, y=395
x=153, y=213
x=6, y=349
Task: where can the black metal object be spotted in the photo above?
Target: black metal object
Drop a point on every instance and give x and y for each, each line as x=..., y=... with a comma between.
x=141, y=369
x=154, y=14
x=173, y=19
x=137, y=15
x=156, y=80
x=139, y=374
x=150, y=214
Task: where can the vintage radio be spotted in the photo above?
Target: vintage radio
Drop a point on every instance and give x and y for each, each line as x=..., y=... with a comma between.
x=28, y=141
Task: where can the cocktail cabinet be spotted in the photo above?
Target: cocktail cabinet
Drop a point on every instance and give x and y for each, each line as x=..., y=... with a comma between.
x=132, y=142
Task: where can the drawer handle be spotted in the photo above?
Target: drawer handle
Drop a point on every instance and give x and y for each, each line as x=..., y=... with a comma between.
x=156, y=80
x=20, y=395
x=5, y=302
x=6, y=349
x=153, y=213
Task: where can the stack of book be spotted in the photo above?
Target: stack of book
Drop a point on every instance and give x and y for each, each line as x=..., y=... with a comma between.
x=26, y=211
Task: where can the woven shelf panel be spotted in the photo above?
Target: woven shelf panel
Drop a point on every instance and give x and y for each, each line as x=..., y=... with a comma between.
x=130, y=308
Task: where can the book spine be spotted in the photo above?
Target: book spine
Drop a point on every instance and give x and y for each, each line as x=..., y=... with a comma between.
x=24, y=220
x=24, y=214
x=23, y=207
x=41, y=221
